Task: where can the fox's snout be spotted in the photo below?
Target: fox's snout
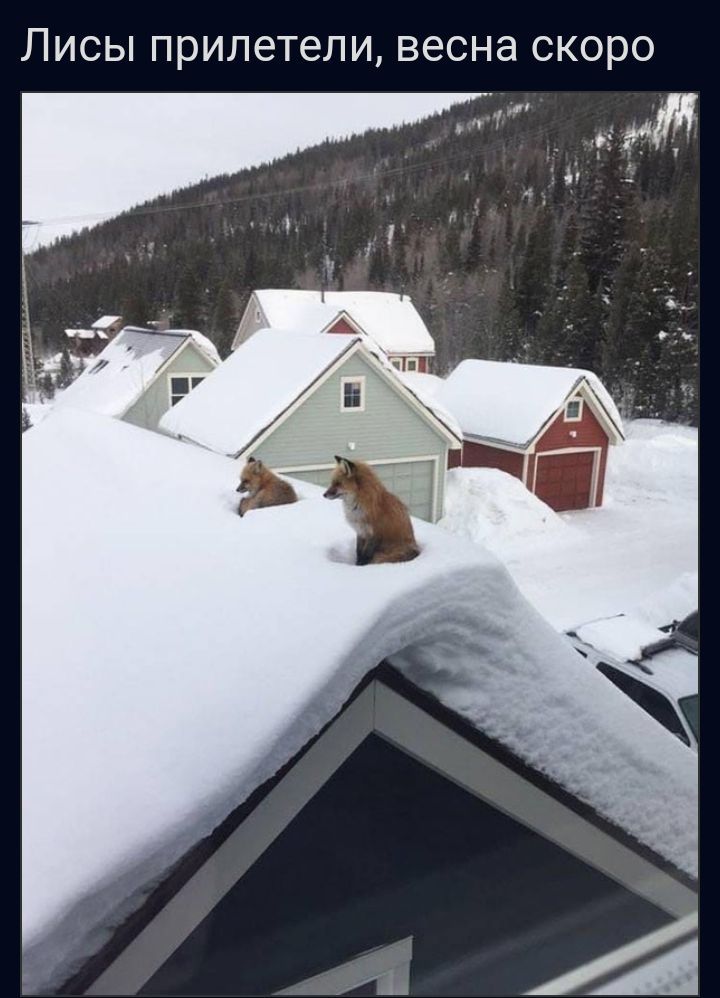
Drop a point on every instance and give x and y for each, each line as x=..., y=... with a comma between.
x=332, y=493
x=241, y=488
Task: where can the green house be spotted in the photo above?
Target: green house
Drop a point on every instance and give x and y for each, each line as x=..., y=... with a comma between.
x=141, y=374
x=295, y=400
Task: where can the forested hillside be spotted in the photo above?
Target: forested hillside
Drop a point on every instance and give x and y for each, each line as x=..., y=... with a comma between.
x=557, y=228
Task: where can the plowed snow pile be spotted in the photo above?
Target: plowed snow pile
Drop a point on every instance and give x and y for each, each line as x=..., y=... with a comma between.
x=495, y=509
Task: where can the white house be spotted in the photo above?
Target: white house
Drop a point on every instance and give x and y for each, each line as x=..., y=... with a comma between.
x=390, y=320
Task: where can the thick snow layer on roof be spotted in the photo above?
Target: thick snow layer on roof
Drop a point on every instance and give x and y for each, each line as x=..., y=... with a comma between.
x=119, y=374
x=81, y=334
x=493, y=508
x=429, y=384
x=393, y=322
x=256, y=383
x=105, y=321
x=209, y=649
x=512, y=402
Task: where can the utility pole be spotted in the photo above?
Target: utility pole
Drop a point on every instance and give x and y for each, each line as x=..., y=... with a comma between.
x=28, y=358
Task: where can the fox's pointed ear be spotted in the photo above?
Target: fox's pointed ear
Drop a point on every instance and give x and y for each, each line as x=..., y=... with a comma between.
x=258, y=464
x=251, y=460
x=348, y=468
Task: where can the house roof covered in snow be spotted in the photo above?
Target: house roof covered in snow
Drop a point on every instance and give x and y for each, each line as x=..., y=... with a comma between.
x=513, y=403
x=126, y=368
x=263, y=378
x=105, y=321
x=391, y=320
x=86, y=334
x=146, y=721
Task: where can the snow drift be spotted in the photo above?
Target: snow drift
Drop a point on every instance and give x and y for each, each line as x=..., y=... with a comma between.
x=490, y=507
x=176, y=656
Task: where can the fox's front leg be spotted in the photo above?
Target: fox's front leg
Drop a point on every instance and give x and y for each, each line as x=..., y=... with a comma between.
x=364, y=550
x=246, y=503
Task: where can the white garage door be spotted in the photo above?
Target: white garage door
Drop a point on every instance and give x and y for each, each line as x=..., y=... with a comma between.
x=411, y=481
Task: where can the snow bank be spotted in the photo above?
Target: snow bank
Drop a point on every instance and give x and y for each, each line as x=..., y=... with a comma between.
x=493, y=508
x=672, y=603
x=657, y=458
x=37, y=411
x=178, y=656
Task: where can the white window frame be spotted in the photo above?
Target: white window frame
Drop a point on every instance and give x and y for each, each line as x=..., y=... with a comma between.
x=573, y=419
x=388, y=967
x=397, y=363
x=356, y=379
x=414, y=361
x=183, y=374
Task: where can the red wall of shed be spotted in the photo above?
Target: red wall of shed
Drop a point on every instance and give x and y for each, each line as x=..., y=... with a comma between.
x=589, y=433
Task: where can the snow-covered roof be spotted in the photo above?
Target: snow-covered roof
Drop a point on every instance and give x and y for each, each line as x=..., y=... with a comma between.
x=85, y=334
x=210, y=649
x=258, y=383
x=429, y=384
x=124, y=369
x=105, y=321
x=390, y=320
x=511, y=403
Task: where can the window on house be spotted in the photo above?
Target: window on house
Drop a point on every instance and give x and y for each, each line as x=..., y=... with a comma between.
x=573, y=411
x=182, y=384
x=352, y=397
x=397, y=363
x=411, y=364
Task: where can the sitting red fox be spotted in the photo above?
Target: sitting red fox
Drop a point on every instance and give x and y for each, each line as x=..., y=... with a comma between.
x=380, y=520
x=263, y=488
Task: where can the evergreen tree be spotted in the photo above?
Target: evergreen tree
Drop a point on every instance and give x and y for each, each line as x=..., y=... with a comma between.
x=25, y=420
x=188, y=311
x=66, y=375
x=473, y=251
x=603, y=217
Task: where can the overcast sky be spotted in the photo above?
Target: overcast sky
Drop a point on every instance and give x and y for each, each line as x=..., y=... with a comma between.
x=93, y=153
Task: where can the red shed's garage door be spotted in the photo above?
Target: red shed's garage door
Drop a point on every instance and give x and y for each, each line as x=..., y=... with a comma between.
x=564, y=481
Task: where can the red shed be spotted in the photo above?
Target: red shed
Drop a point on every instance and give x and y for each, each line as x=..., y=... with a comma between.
x=548, y=426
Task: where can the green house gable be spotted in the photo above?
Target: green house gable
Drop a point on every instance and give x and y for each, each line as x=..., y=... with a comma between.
x=156, y=399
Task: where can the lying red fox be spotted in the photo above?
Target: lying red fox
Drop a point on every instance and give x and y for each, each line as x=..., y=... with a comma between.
x=263, y=488
x=380, y=520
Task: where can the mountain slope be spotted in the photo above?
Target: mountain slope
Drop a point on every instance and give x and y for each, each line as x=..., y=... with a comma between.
x=550, y=227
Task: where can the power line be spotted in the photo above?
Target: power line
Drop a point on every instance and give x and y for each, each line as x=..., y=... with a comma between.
x=601, y=107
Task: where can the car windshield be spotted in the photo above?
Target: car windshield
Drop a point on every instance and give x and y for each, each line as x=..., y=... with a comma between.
x=689, y=707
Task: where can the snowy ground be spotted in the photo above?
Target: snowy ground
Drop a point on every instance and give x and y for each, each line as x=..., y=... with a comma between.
x=592, y=563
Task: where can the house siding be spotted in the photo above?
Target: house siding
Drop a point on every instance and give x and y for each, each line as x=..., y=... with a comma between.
x=155, y=402
x=476, y=455
x=589, y=433
x=388, y=428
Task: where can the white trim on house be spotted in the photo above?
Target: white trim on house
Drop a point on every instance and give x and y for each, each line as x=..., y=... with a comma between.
x=397, y=363
x=414, y=360
x=489, y=442
x=567, y=418
x=403, y=390
x=584, y=389
x=619, y=961
x=594, y=479
x=388, y=967
x=183, y=374
x=435, y=458
x=526, y=458
x=352, y=379
x=408, y=727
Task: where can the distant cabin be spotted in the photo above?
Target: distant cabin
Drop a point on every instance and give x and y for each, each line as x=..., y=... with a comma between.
x=108, y=324
x=391, y=321
x=296, y=399
x=86, y=342
x=141, y=374
x=551, y=427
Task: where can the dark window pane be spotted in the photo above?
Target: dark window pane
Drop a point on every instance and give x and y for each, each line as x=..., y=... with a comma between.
x=179, y=386
x=196, y=381
x=352, y=394
x=690, y=707
x=363, y=989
